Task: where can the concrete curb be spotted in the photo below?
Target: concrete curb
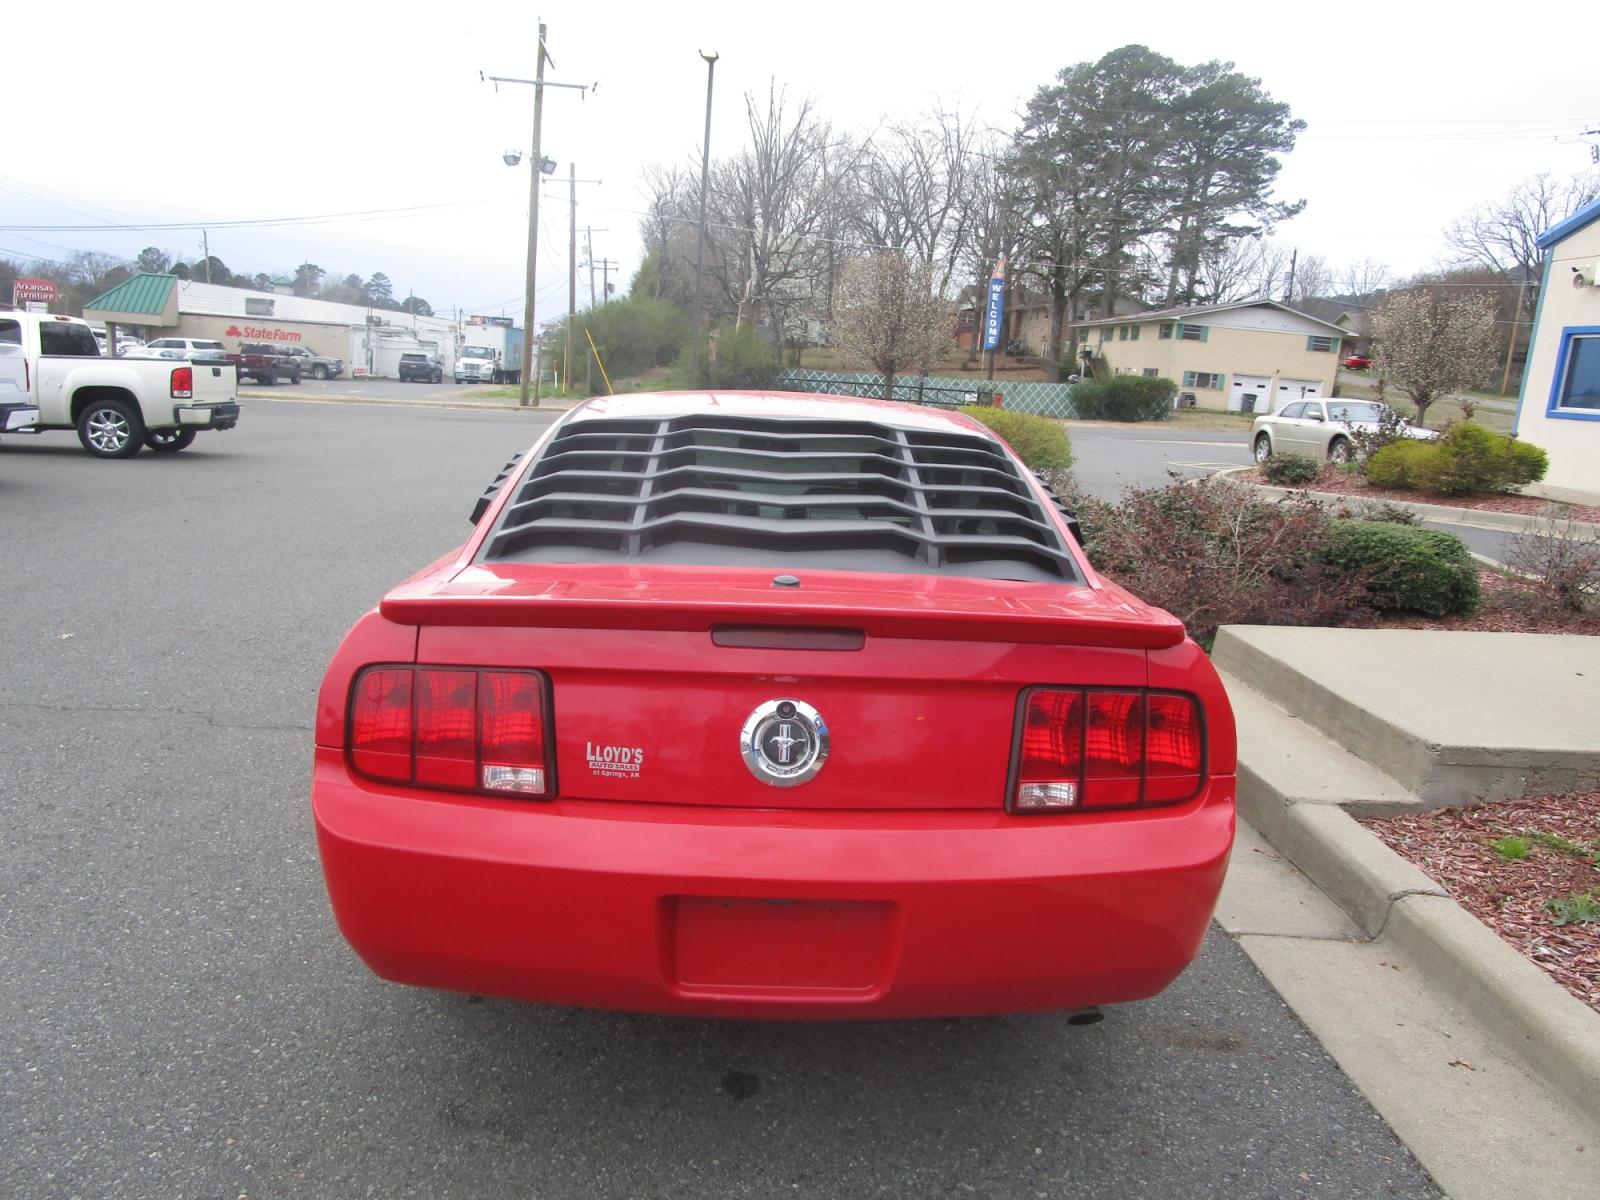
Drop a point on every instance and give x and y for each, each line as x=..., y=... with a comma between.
x=1553, y=1032
x=1472, y=518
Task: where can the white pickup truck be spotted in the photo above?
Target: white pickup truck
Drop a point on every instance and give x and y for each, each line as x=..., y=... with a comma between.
x=117, y=405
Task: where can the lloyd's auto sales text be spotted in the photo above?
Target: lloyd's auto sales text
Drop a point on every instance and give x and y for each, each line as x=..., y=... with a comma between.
x=258, y=333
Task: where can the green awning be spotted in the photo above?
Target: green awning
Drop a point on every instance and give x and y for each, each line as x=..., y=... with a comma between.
x=142, y=300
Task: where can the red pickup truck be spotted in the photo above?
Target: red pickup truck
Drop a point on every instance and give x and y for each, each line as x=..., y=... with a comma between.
x=757, y=705
x=266, y=363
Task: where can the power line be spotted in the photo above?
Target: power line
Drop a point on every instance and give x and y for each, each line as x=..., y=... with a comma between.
x=242, y=223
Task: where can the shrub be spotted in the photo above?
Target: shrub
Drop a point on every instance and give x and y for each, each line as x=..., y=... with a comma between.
x=742, y=358
x=1560, y=560
x=1290, y=469
x=1040, y=442
x=633, y=335
x=1124, y=398
x=1378, y=510
x=1390, y=429
x=1399, y=464
x=1406, y=569
x=1213, y=552
x=1467, y=460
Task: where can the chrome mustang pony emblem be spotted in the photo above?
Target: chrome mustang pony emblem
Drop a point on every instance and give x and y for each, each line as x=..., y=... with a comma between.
x=784, y=742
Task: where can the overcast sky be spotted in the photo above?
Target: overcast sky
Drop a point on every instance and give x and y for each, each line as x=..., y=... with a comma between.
x=181, y=113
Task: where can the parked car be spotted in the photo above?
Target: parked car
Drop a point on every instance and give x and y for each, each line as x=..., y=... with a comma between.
x=1356, y=362
x=267, y=362
x=425, y=367
x=773, y=706
x=117, y=405
x=1321, y=429
x=318, y=366
x=184, y=346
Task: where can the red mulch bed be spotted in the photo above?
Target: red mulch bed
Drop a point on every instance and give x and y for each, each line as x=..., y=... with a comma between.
x=1506, y=608
x=1349, y=483
x=1509, y=895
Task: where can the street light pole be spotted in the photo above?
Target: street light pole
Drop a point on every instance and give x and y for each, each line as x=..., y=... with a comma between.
x=528, y=361
x=700, y=246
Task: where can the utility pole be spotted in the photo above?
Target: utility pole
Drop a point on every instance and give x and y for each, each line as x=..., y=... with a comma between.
x=700, y=246
x=1294, y=258
x=529, y=359
x=606, y=267
x=205, y=247
x=572, y=262
x=572, y=265
x=588, y=253
x=529, y=366
x=1511, y=344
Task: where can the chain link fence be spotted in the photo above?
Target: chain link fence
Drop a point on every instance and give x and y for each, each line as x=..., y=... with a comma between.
x=1018, y=395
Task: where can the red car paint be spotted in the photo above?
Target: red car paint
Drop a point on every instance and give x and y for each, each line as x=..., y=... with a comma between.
x=896, y=882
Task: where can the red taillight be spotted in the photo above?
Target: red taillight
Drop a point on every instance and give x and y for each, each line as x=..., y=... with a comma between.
x=457, y=728
x=1089, y=748
x=182, y=383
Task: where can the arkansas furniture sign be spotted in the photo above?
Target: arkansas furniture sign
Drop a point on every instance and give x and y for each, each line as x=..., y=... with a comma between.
x=37, y=291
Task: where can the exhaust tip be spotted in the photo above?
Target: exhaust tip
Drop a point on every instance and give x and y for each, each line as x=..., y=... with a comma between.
x=1086, y=1016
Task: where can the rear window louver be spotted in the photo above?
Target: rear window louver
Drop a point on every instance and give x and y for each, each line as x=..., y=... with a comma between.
x=761, y=492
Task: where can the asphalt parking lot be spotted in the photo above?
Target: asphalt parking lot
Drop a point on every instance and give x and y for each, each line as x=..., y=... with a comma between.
x=179, y=1017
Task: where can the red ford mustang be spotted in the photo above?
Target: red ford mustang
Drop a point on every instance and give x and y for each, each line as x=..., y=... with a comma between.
x=773, y=706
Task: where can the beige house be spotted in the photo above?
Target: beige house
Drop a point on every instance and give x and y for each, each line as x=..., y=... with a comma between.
x=1249, y=356
x=1558, y=408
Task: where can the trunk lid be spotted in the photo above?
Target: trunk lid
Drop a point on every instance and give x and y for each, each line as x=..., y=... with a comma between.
x=656, y=672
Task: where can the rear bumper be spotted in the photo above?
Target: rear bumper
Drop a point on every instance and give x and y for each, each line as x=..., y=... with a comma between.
x=17, y=416
x=741, y=913
x=206, y=416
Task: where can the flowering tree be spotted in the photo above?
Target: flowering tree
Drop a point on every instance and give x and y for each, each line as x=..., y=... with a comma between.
x=1429, y=343
x=888, y=315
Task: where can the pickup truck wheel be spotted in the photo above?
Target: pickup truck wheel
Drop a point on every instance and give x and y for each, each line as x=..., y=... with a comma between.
x=110, y=429
x=169, y=441
x=319, y=372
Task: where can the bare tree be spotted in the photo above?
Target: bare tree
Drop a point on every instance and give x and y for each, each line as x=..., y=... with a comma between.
x=768, y=206
x=1242, y=268
x=667, y=230
x=912, y=185
x=1364, y=277
x=1429, y=342
x=890, y=315
x=1312, y=278
x=1503, y=233
x=991, y=203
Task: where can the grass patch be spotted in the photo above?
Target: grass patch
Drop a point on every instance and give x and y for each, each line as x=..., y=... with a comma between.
x=1209, y=420
x=1440, y=413
x=1511, y=847
x=1575, y=907
x=1562, y=845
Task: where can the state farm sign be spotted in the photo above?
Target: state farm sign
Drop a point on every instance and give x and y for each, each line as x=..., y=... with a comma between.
x=40, y=291
x=262, y=333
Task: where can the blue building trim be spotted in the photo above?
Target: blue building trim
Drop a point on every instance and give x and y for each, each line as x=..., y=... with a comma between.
x=1552, y=410
x=1584, y=216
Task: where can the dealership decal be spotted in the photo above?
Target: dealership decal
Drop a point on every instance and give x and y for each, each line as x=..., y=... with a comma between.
x=614, y=762
x=259, y=333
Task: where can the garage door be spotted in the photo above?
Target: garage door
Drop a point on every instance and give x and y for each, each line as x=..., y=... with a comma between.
x=1298, y=389
x=1250, y=393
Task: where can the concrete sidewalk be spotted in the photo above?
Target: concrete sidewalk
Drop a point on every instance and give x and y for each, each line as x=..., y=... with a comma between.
x=1444, y=514
x=1486, y=1068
